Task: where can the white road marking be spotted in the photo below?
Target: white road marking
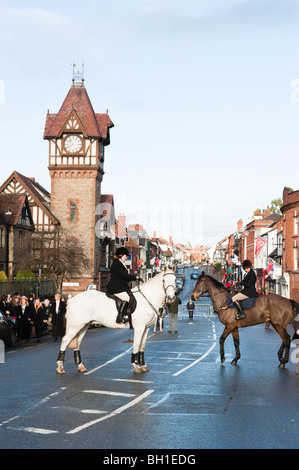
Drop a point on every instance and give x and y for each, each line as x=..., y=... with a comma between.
x=195, y=362
x=35, y=405
x=131, y=380
x=115, y=394
x=34, y=430
x=108, y=362
x=116, y=412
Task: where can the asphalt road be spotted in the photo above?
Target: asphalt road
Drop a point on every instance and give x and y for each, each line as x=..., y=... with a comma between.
x=188, y=400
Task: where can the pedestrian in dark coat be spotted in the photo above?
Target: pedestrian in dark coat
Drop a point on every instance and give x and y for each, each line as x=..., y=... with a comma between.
x=15, y=314
x=190, y=308
x=58, y=310
x=40, y=318
x=173, y=309
x=27, y=314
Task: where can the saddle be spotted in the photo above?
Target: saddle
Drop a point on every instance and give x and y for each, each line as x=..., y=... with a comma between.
x=246, y=304
x=131, y=307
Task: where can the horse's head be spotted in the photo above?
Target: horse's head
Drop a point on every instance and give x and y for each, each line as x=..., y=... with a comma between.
x=169, y=284
x=200, y=287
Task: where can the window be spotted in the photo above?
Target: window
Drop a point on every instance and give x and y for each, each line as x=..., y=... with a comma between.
x=22, y=239
x=296, y=258
x=2, y=237
x=73, y=212
x=296, y=225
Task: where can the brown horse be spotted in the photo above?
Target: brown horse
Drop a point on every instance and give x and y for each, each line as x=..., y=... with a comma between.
x=274, y=308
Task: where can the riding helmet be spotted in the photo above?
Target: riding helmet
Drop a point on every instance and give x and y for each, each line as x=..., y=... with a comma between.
x=246, y=264
x=122, y=251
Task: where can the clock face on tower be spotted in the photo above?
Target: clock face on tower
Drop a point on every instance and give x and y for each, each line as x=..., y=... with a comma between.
x=73, y=144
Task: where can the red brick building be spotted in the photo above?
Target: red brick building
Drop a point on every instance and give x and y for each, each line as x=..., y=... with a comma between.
x=290, y=241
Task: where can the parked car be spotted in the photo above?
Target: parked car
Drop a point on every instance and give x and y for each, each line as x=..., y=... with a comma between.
x=7, y=331
x=196, y=266
x=179, y=285
x=91, y=287
x=181, y=278
x=194, y=276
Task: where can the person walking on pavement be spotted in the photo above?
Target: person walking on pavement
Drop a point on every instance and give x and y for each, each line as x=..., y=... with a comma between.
x=39, y=319
x=159, y=319
x=190, y=308
x=173, y=314
x=58, y=310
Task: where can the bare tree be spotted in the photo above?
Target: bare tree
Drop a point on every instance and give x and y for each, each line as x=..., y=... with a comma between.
x=59, y=255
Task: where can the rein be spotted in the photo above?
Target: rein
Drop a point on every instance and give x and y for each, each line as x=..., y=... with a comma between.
x=214, y=295
x=150, y=304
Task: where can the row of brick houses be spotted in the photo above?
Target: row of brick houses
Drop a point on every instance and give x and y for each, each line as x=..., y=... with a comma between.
x=270, y=241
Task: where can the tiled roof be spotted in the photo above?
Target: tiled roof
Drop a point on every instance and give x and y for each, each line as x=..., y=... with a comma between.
x=11, y=206
x=77, y=99
x=35, y=190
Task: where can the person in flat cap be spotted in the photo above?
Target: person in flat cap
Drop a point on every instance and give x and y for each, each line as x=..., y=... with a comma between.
x=119, y=281
x=249, y=290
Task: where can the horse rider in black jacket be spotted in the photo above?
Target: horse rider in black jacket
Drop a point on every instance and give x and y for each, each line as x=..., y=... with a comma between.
x=249, y=289
x=119, y=281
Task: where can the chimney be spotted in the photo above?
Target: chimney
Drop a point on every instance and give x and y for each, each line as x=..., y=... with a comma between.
x=122, y=226
x=240, y=224
x=266, y=212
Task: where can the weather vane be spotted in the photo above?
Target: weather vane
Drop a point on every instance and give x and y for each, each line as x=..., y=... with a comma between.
x=78, y=75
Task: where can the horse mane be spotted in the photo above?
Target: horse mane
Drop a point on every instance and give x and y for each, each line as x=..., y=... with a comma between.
x=217, y=283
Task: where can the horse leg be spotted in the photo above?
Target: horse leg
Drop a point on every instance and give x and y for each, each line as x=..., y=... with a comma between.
x=77, y=354
x=141, y=362
x=285, y=345
x=138, y=334
x=225, y=334
x=235, y=334
x=71, y=334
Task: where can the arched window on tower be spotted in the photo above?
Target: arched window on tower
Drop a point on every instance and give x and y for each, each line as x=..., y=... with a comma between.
x=73, y=212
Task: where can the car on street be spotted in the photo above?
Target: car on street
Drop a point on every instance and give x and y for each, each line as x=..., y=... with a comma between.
x=7, y=331
x=194, y=276
x=196, y=266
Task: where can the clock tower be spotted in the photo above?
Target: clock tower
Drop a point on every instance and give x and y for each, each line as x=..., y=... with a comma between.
x=77, y=139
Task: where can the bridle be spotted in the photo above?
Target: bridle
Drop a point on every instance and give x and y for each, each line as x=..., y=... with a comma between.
x=165, y=290
x=214, y=295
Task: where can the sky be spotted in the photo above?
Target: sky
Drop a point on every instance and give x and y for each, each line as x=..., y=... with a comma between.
x=204, y=96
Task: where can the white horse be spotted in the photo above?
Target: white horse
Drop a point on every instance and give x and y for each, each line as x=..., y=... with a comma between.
x=94, y=306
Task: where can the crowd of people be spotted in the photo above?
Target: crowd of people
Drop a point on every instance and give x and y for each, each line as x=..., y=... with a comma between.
x=33, y=316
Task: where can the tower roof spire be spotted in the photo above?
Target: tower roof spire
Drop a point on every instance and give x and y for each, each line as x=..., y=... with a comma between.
x=79, y=74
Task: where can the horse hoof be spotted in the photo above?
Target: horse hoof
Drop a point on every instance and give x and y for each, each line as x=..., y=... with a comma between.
x=281, y=366
x=144, y=368
x=137, y=370
x=234, y=362
x=222, y=360
x=60, y=371
x=81, y=368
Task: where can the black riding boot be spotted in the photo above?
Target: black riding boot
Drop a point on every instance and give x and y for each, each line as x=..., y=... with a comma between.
x=122, y=311
x=241, y=315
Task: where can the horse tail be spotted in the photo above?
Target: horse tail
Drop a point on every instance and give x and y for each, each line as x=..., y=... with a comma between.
x=295, y=307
